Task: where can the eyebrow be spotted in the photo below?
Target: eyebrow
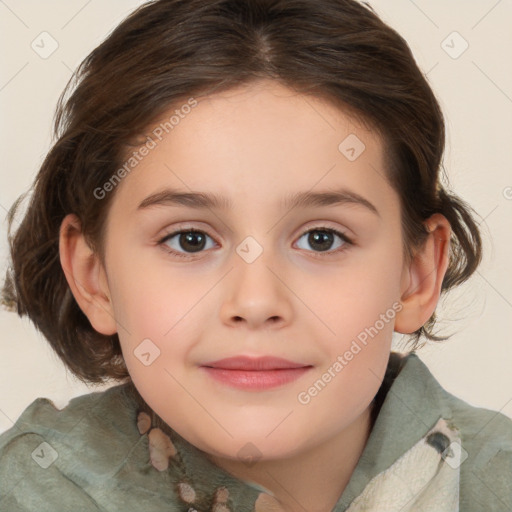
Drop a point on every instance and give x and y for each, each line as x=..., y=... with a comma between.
x=201, y=200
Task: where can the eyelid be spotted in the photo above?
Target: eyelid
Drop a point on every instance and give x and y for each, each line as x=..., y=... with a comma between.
x=187, y=226
x=326, y=225
x=183, y=227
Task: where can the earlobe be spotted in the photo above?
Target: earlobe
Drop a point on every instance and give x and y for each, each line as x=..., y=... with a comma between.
x=86, y=276
x=423, y=277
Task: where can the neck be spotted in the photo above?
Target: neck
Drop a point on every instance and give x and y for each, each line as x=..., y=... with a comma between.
x=313, y=480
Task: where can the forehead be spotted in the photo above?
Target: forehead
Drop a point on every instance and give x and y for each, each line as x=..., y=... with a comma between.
x=256, y=141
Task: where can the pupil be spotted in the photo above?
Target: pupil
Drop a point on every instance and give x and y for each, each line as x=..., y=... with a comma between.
x=323, y=239
x=187, y=239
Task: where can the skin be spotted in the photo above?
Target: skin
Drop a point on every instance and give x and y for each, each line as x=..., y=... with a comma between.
x=257, y=144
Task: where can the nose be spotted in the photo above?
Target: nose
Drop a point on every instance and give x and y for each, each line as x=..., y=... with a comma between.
x=257, y=296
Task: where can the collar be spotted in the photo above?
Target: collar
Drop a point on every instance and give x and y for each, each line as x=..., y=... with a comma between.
x=415, y=407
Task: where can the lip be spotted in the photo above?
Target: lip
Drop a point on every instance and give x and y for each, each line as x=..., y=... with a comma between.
x=254, y=363
x=256, y=374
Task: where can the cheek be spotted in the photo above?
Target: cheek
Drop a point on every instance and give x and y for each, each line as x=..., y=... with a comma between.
x=154, y=298
x=358, y=306
x=157, y=309
x=353, y=296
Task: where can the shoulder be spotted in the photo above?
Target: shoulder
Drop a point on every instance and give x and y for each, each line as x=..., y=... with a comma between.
x=485, y=432
x=485, y=464
x=49, y=456
x=486, y=456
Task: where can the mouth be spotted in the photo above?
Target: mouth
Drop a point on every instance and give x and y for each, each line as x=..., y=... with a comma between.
x=255, y=374
x=248, y=363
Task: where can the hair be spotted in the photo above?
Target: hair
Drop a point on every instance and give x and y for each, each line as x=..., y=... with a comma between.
x=168, y=51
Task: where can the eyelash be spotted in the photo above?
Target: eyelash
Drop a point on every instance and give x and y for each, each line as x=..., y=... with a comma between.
x=322, y=254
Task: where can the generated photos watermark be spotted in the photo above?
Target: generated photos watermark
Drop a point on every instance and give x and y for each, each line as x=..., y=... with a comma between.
x=305, y=397
x=151, y=143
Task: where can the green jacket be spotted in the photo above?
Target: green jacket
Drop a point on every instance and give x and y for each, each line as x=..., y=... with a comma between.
x=90, y=456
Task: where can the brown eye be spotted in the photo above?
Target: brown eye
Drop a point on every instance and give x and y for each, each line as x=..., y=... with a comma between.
x=322, y=240
x=185, y=242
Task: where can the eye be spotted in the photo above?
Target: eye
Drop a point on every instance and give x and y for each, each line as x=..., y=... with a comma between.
x=321, y=239
x=191, y=240
x=186, y=242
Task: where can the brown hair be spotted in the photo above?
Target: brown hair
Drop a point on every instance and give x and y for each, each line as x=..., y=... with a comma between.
x=168, y=51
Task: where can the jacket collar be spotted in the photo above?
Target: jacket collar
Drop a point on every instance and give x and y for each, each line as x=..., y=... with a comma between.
x=413, y=405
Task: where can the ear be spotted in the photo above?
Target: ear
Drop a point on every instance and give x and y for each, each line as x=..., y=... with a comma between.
x=423, y=276
x=86, y=276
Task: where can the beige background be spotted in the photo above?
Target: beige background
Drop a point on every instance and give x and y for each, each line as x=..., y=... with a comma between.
x=474, y=89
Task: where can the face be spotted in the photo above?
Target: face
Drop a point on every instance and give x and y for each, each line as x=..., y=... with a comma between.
x=317, y=283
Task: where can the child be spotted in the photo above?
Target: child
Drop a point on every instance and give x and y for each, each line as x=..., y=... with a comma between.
x=242, y=205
